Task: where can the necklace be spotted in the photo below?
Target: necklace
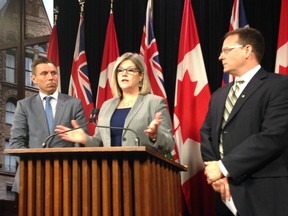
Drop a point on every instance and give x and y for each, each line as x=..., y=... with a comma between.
x=128, y=103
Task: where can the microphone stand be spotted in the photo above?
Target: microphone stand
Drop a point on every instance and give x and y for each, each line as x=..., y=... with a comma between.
x=92, y=118
x=137, y=139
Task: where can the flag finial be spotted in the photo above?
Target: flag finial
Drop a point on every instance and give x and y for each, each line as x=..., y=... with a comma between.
x=111, y=6
x=81, y=3
x=56, y=12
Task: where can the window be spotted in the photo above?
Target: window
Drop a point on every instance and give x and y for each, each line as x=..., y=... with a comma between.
x=28, y=72
x=10, y=67
x=9, y=164
x=9, y=111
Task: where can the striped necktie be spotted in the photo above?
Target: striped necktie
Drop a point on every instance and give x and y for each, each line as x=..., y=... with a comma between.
x=229, y=104
x=49, y=113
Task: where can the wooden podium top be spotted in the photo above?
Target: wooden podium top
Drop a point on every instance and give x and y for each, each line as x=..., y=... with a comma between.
x=95, y=150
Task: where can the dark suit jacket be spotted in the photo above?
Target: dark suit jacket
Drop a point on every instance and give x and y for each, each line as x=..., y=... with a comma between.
x=139, y=117
x=30, y=128
x=255, y=142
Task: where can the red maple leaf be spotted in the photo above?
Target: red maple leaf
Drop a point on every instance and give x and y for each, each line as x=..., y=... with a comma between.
x=191, y=109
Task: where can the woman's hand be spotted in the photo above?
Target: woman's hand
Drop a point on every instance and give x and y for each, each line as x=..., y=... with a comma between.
x=77, y=136
x=152, y=128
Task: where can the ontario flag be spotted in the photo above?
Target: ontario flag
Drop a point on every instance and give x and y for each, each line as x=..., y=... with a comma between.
x=53, y=52
x=110, y=55
x=238, y=20
x=192, y=97
x=79, y=86
x=281, y=65
x=149, y=50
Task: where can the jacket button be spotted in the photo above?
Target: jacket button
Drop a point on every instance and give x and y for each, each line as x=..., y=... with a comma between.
x=124, y=139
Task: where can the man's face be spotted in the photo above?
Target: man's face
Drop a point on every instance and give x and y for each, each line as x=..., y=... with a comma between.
x=232, y=55
x=46, y=77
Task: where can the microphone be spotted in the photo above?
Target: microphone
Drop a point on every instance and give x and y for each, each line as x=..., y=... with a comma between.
x=137, y=139
x=93, y=115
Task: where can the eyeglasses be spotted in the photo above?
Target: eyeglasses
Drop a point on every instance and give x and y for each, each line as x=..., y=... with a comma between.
x=129, y=71
x=228, y=49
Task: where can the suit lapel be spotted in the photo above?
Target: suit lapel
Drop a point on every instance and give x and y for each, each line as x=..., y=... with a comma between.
x=110, y=110
x=134, y=110
x=60, y=109
x=37, y=105
x=221, y=104
x=252, y=86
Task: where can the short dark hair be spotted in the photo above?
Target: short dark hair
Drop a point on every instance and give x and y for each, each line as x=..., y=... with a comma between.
x=250, y=36
x=42, y=60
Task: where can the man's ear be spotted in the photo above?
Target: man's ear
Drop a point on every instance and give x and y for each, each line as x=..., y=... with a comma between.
x=33, y=78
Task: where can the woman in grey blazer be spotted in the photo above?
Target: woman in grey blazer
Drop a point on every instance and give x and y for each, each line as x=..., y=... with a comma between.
x=132, y=107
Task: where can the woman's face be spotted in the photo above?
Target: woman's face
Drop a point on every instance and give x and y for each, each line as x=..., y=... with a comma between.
x=128, y=76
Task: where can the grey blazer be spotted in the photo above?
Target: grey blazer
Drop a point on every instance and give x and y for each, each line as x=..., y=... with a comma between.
x=139, y=117
x=30, y=128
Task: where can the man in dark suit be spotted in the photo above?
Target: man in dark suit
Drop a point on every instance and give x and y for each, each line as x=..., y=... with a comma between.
x=30, y=124
x=246, y=156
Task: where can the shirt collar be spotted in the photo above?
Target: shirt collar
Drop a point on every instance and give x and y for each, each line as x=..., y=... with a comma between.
x=54, y=95
x=248, y=75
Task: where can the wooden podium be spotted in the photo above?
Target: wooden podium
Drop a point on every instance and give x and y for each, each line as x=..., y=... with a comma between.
x=98, y=181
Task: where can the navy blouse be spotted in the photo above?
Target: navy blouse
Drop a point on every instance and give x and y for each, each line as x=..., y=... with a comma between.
x=118, y=120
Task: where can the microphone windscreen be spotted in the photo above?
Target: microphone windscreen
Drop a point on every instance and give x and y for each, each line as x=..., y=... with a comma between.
x=95, y=111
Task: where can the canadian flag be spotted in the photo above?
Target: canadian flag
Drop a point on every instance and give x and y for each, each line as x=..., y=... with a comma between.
x=53, y=52
x=281, y=65
x=192, y=96
x=110, y=55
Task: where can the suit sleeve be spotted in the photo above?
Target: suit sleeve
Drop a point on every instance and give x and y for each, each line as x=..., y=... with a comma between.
x=19, y=130
x=96, y=139
x=80, y=116
x=165, y=141
x=207, y=151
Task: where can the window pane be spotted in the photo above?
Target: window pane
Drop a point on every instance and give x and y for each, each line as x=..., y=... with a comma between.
x=28, y=63
x=10, y=75
x=9, y=161
x=9, y=112
x=10, y=66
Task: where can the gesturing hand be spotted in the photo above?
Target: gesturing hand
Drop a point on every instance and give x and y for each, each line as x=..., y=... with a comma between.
x=77, y=136
x=151, y=130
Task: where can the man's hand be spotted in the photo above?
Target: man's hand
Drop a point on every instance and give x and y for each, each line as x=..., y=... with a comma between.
x=212, y=171
x=222, y=187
